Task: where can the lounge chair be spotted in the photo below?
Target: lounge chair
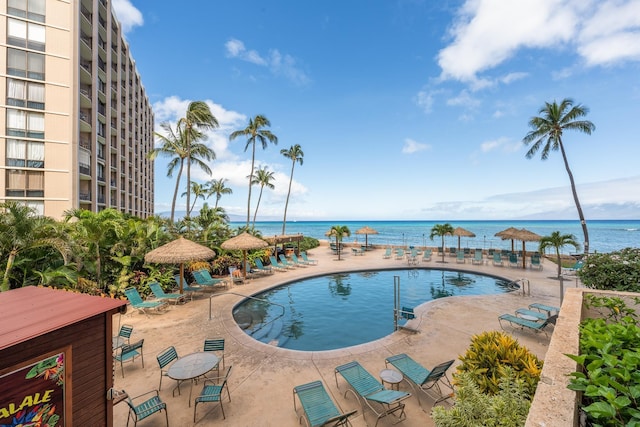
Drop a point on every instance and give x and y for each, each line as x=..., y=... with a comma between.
x=477, y=257
x=421, y=378
x=399, y=253
x=369, y=390
x=519, y=322
x=286, y=262
x=129, y=352
x=513, y=260
x=549, y=309
x=318, y=408
x=262, y=268
x=146, y=407
x=534, y=315
x=212, y=392
x=276, y=264
x=453, y=252
x=235, y=276
x=535, y=262
x=299, y=262
x=142, y=306
x=497, y=259
x=387, y=253
x=187, y=288
x=309, y=261
x=573, y=269
x=426, y=255
x=460, y=257
x=204, y=279
x=160, y=294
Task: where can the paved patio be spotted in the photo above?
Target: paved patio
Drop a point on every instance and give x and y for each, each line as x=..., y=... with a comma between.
x=263, y=376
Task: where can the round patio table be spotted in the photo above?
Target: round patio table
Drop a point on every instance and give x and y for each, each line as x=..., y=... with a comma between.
x=192, y=366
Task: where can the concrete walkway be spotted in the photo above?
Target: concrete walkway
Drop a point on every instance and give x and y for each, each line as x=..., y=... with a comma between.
x=263, y=376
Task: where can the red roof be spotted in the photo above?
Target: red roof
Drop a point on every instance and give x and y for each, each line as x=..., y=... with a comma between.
x=31, y=311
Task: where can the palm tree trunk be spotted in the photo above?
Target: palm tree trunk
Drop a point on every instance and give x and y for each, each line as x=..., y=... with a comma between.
x=175, y=192
x=559, y=262
x=255, y=214
x=5, y=279
x=188, y=180
x=583, y=223
x=253, y=158
x=286, y=205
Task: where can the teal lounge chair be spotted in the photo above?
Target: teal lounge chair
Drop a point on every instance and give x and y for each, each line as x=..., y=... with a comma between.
x=160, y=295
x=519, y=322
x=276, y=264
x=513, y=260
x=137, y=302
x=535, y=262
x=421, y=378
x=477, y=257
x=318, y=408
x=309, y=261
x=262, y=268
x=187, y=288
x=460, y=257
x=534, y=315
x=549, y=309
x=573, y=269
x=387, y=253
x=497, y=259
x=368, y=390
x=203, y=278
x=284, y=261
x=426, y=256
x=298, y=261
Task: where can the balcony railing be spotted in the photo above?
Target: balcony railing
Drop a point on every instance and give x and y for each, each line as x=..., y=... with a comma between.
x=86, y=90
x=85, y=143
x=86, y=65
x=86, y=196
x=85, y=115
x=85, y=169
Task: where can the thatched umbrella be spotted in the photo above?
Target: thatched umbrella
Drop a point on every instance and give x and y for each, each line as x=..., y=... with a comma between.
x=519, y=234
x=179, y=251
x=244, y=242
x=459, y=231
x=366, y=230
x=507, y=234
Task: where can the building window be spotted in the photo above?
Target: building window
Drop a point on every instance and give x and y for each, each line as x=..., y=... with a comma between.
x=25, y=153
x=21, y=93
x=25, y=34
x=21, y=63
x=25, y=124
x=30, y=9
x=22, y=183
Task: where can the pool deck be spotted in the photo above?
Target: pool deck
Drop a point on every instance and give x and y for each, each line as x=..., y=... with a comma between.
x=263, y=376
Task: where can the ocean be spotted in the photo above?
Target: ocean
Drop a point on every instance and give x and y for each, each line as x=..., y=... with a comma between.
x=604, y=235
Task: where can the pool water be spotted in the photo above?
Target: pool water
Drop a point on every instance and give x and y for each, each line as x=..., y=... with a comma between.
x=346, y=309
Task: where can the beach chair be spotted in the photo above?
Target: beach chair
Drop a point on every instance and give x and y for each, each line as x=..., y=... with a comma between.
x=141, y=407
x=318, y=408
x=284, y=261
x=276, y=264
x=387, y=253
x=262, y=268
x=142, y=306
x=426, y=255
x=513, y=260
x=535, y=262
x=477, y=257
x=534, y=315
x=129, y=352
x=235, y=276
x=160, y=294
x=309, y=261
x=204, y=279
x=297, y=261
x=368, y=390
x=497, y=259
x=570, y=271
x=460, y=257
x=188, y=288
x=399, y=253
x=453, y=252
x=212, y=392
x=519, y=322
x=421, y=378
x=549, y=309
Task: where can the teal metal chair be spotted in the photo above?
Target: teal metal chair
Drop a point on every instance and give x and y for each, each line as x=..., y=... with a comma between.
x=368, y=390
x=146, y=407
x=129, y=352
x=215, y=345
x=318, y=408
x=421, y=378
x=160, y=294
x=139, y=304
x=165, y=358
x=123, y=337
x=212, y=392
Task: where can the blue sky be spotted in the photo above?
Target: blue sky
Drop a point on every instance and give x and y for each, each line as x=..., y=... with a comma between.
x=405, y=109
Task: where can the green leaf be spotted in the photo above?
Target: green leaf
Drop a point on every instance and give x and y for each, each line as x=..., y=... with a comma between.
x=600, y=410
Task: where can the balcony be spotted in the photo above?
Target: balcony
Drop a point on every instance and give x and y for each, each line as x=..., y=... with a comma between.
x=85, y=116
x=85, y=196
x=85, y=170
x=85, y=143
x=86, y=90
x=86, y=65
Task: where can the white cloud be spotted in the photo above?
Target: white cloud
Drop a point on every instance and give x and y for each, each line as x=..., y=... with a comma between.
x=278, y=64
x=425, y=99
x=502, y=143
x=411, y=146
x=128, y=16
x=464, y=99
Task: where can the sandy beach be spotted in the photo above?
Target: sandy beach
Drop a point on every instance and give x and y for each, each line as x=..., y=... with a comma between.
x=263, y=376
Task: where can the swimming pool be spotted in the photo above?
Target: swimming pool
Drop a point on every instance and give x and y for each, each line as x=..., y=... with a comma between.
x=345, y=309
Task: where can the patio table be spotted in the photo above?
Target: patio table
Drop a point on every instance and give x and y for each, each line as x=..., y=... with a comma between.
x=192, y=366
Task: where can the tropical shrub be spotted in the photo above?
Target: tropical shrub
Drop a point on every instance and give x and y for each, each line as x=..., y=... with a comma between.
x=493, y=355
x=619, y=270
x=308, y=243
x=508, y=407
x=609, y=362
x=220, y=265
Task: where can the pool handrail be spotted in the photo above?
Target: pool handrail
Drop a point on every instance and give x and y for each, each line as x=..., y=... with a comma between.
x=254, y=298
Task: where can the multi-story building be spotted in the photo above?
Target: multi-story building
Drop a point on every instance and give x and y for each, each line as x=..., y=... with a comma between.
x=75, y=121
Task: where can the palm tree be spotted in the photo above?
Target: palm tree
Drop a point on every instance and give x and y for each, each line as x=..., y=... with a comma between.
x=295, y=154
x=197, y=118
x=217, y=187
x=254, y=131
x=339, y=231
x=547, y=134
x=174, y=144
x=558, y=241
x=441, y=230
x=263, y=178
x=21, y=230
x=199, y=192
